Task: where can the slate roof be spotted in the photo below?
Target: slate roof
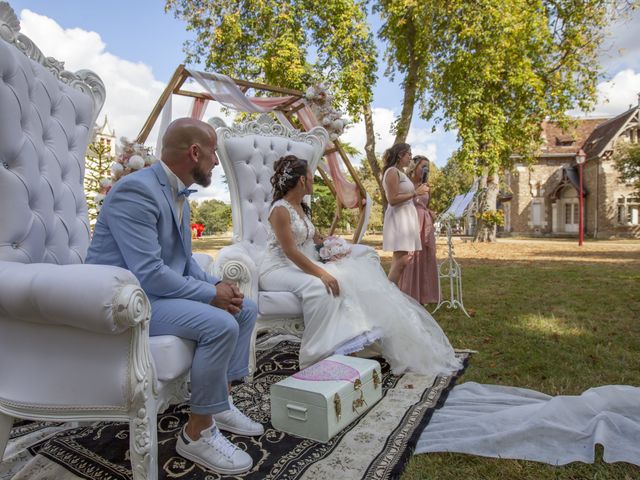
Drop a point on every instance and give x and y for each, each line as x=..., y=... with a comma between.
x=558, y=141
x=604, y=133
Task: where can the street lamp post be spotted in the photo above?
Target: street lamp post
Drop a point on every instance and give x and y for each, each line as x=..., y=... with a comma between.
x=580, y=159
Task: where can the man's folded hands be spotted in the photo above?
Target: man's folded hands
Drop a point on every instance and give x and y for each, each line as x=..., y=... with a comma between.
x=228, y=297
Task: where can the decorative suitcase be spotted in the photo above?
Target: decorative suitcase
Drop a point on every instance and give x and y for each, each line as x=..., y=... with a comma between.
x=322, y=399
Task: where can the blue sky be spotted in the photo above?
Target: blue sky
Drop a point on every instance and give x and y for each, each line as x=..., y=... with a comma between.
x=135, y=47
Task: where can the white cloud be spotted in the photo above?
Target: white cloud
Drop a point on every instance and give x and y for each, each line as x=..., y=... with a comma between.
x=422, y=141
x=132, y=89
x=621, y=49
x=620, y=57
x=615, y=95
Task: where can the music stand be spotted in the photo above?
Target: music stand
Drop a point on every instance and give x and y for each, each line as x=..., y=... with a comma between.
x=449, y=268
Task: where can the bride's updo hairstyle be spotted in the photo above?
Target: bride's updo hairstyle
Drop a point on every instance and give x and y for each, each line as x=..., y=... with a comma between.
x=286, y=173
x=393, y=154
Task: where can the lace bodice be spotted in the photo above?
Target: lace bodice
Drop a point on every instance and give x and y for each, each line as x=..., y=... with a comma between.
x=303, y=232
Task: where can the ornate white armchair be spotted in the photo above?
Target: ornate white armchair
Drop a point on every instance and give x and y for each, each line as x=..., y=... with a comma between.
x=74, y=342
x=247, y=153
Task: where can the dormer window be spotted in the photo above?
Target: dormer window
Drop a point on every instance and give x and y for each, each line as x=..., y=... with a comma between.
x=565, y=141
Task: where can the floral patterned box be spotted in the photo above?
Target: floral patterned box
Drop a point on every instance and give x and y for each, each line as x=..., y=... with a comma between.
x=322, y=399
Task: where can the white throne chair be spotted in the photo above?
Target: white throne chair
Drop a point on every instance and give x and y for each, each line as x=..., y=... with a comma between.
x=74, y=340
x=247, y=153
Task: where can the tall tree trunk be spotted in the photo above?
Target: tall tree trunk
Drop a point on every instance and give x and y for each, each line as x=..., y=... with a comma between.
x=370, y=151
x=410, y=86
x=487, y=201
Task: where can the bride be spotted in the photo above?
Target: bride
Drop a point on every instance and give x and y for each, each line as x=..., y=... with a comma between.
x=348, y=304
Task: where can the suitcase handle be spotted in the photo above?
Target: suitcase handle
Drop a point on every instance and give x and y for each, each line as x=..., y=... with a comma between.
x=296, y=412
x=359, y=402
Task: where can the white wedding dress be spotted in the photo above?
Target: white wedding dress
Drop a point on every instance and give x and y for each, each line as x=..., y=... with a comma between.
x=369, y=308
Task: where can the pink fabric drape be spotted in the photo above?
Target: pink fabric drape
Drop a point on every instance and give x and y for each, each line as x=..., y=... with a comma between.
x=348, y=193
x=198, y=107
x=269, y=102
x=224, y=90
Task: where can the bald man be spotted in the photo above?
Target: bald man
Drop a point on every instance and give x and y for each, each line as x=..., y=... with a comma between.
x=143, y=226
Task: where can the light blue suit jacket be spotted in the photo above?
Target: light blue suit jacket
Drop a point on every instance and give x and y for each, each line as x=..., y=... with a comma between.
x=138, y=229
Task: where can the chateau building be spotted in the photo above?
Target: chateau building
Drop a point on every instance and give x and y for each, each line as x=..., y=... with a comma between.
x=106, y=135
x=545, y=195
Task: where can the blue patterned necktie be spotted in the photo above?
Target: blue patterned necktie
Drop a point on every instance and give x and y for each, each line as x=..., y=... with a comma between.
x=186, y=192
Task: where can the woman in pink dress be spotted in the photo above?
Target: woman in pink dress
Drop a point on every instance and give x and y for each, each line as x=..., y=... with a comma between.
x=420, y=277
x=401, y=228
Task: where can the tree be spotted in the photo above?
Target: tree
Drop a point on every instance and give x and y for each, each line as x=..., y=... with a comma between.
x=370, y=183
x=273, y=42
x=215, y=215
x=97, y=176
x=454, y=179
x=406, y=53
x=628, y=164
x=323, y=207
x=494, y=70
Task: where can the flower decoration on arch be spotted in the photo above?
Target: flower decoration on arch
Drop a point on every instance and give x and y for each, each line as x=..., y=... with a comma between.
x=130, y=158
x=321, y=103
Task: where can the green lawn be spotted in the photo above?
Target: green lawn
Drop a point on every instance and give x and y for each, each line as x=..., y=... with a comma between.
x=546, y=316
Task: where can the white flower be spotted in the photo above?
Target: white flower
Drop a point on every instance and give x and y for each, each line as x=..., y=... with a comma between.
x=310, y=93
x=136, y=162
x=150, y=159
x=99, y=198
x=324, y=253
x=116, y=168
x=105, y=182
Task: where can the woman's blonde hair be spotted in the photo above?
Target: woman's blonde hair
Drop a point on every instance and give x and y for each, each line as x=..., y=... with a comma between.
x=415, y=161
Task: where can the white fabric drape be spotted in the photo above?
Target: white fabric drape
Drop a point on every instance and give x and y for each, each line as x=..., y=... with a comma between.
x=225, y=91
x=517, y=423
x=165, y=120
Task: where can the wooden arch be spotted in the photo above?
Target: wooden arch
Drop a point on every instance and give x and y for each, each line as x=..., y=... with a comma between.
x=289, y=109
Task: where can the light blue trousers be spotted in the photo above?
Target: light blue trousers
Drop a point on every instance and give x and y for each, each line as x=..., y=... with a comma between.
x=222, y=345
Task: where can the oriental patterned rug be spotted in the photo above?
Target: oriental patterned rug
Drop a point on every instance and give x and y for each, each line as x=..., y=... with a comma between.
x=376, y=446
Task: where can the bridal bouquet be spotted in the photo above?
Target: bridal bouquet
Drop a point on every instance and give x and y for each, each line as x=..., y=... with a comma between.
x=333, y=248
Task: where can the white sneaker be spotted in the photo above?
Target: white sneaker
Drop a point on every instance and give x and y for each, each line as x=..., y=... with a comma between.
x=214, y=452
x=234, y=421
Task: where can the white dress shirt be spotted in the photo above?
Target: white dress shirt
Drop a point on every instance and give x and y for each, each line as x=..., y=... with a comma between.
x=176, y=186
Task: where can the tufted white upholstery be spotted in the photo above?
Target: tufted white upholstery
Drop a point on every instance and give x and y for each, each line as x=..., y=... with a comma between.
x=251, y=159
x=247, y=153
x=45, y=130
x=74, y=340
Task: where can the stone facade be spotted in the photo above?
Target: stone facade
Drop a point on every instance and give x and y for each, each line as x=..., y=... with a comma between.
x=545, y=199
